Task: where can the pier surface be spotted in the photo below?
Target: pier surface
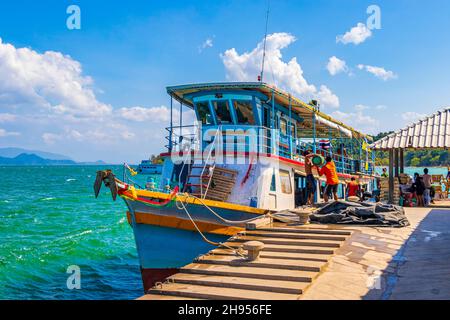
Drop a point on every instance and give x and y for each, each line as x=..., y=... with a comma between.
x=325, y=262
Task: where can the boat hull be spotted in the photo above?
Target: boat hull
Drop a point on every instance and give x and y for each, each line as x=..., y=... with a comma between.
x=162, y=251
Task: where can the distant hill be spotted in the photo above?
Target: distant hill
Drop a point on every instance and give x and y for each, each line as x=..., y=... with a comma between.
x=25, y=159
x=93, y=163
x=14, y=152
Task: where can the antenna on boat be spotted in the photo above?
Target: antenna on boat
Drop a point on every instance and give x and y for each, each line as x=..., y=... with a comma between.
x=261, y=77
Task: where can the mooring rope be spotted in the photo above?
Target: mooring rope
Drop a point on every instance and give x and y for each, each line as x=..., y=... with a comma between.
x=233, y=222
x=217, y=244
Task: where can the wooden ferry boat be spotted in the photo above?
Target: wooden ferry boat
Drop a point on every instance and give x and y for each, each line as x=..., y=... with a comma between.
x=241, y=160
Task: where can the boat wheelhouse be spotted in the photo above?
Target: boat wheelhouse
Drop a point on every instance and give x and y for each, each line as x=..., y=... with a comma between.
x=253, y=121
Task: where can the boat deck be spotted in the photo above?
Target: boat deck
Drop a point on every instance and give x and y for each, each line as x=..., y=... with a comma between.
x=325, y=262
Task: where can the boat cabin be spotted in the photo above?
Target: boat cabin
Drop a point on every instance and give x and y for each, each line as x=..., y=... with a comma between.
x=248, y=142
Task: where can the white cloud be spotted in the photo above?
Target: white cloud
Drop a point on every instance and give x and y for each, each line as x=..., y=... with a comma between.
x=356, y=35
x=207, y=44
x=378, y=72
x=327, y=98
x=50, y=81
x=51, y=138
x=412, y=116
x=140, y=114
x=285, y=75
x=361, y=107
x=381, y=107
x=7, y=117
x=336, y=65
x=57, y=105
x=4, y=133
x=358, y=120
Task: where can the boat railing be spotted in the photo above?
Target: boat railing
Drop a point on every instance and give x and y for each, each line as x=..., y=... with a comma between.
x=182, y=138
x=260, y=140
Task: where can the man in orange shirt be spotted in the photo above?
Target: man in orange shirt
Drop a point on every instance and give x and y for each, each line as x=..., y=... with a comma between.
x=329, y=170
x=353, y=188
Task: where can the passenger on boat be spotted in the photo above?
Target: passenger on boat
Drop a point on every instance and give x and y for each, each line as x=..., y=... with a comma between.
x=330, y=172
x=353, y=188
x=310, y=180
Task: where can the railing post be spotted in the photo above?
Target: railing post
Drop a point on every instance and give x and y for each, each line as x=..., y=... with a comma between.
x=290, y=127
x=181, y=125
x=171, y=124
x=272, y=125
x=314, y=133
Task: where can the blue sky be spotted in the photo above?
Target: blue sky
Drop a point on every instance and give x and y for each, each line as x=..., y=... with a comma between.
x=99, y=92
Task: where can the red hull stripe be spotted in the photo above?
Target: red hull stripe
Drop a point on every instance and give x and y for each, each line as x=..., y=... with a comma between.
x=154, y=275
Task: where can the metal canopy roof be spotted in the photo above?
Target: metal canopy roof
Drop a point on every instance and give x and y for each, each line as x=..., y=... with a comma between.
x=433, y=132
x=325, y=125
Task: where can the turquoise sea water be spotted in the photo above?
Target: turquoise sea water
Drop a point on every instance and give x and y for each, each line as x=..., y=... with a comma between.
x=412, y=170
x=50, y=220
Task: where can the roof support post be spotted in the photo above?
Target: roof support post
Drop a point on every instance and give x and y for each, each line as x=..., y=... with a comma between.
x=402, y=161
x=396, y=161
x=391, y=176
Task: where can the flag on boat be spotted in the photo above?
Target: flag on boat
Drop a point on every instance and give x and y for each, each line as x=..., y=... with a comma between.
x=324, y=144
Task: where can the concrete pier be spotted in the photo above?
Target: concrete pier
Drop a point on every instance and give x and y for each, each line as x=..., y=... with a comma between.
x=325, y=262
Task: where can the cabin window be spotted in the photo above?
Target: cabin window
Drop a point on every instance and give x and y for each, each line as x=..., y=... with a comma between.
x=273, y=184
x=283, y=126
x=293, y=130
x=222, y=110
x=244, y=112
x=204, y=113
x=258, y=111
x=266, y=117
x=285, y=181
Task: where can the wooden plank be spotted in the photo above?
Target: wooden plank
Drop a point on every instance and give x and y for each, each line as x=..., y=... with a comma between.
x=221, y=169
x=302, y=265
x=263, y=221
x=279, y=255
x=241, y=283
x=153, y=296
x=286, y=235
x=287, y=248
x=250, y=272
x=308, y=231
x=294, y=242
x=219, y=293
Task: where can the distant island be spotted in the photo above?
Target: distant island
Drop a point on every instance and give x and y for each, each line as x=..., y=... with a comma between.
x=23, y=157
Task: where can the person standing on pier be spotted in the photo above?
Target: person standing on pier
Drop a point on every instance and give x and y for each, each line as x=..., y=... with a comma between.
x=427, y=181
x=418, y=187
x=330, y=172
x=310, y=180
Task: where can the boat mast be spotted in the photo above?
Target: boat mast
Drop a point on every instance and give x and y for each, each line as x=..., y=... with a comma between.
x=265, y=41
